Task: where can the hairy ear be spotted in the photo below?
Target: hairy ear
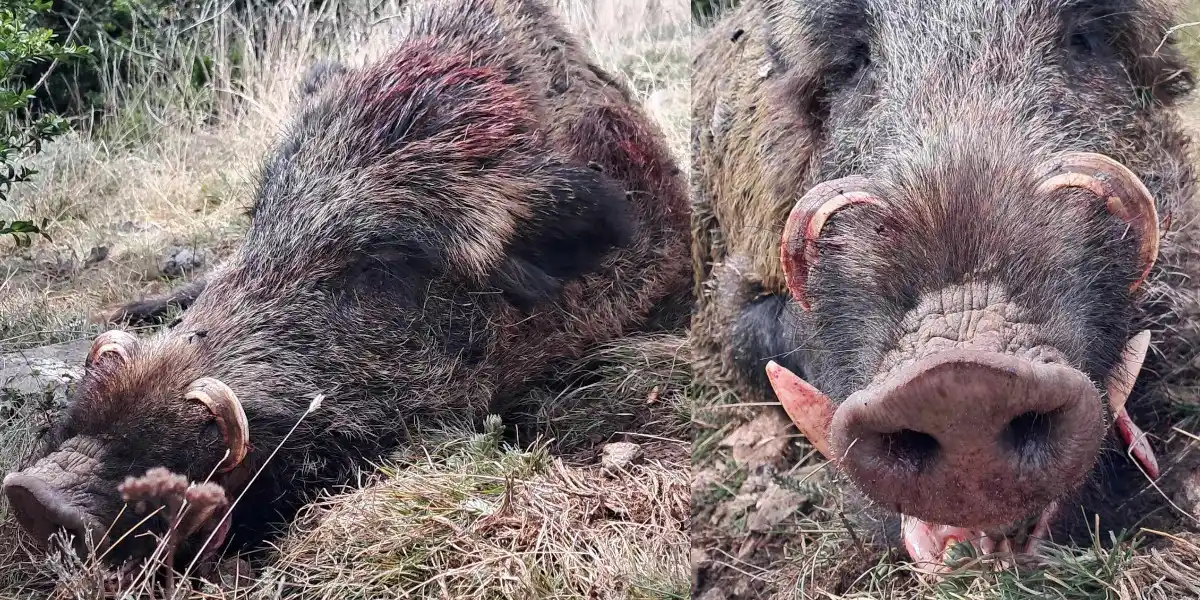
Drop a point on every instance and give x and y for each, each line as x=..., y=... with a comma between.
x=584, y=216
x=1159, y=71
x=318, y=75
x=816, y=49
x=819, y=47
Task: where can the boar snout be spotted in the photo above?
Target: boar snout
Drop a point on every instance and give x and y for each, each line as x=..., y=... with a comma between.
x=971, y=438
x=41, y=509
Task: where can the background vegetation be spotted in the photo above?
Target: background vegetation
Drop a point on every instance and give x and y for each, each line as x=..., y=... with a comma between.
x=28, y=54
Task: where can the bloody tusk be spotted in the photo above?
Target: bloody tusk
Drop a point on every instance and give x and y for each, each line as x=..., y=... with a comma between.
x=1139, y=447
x=809, y=409
x=1120, y=383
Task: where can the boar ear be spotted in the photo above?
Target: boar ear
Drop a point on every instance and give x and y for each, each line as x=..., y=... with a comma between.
x=585, y=217
x=318, y=75
x=1157, y=68
x=1123, y=193
x=798, y=250
x=111, y=345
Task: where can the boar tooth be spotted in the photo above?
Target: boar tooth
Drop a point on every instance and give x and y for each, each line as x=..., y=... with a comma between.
x=1120, y=384
x=231, y=417
x=1124, y=375
x=115, y=341
x=1123, y=193
x=1042, y=529
x=1139, y=447
x=921, y=542
x=808, y=408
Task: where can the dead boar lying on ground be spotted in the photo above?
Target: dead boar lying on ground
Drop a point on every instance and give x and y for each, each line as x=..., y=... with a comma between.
x=432, y=231
x=947, y=235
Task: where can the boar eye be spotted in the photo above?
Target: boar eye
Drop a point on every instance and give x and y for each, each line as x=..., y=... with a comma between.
x=862, y=55
x=1090, y=35
x=1082, y=43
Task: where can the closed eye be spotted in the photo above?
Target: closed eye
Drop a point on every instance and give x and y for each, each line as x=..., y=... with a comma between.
x=1083, y=43
x=1092, y=34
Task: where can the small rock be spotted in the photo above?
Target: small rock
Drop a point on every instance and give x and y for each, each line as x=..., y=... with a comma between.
x=732, y=511
x=235, y=573
x=773, y=506
x=617, y=456
x=1188, y=496
x=706, y=479
x=743, y=588
x=95, y=255
x=49, y=369
x=763, y=441
x=181, y=261
x=652, y=397
x=58, y=264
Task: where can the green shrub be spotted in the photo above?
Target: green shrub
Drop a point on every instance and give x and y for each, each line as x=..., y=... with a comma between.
x=109, y=26
x=23, y=47
x=126, y=35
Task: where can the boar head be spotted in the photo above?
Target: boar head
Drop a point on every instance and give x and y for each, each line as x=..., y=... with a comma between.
x=981, y=216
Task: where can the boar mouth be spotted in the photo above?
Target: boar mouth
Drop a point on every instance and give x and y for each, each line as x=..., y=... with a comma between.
x=911, y=442
x=932, y=546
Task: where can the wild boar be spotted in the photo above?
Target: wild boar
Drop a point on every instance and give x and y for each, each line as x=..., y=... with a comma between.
x=947, y=234
x=432, y=231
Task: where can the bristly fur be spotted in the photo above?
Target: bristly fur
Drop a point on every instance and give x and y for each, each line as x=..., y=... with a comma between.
x=432, y=231
x=948, y=109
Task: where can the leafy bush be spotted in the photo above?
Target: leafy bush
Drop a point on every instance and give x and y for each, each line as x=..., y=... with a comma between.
x=24, y=45
x=127, y=36
x=110, y=27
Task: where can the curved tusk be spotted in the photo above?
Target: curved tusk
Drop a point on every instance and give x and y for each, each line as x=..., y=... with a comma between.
x=1123, y=193
x=231, y=417
x=798, y=249
x=113, y=341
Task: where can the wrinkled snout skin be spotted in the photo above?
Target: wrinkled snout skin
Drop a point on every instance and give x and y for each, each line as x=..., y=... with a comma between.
x=965, y=320
x=431, y=233
x=41, y=501
x=73, y=491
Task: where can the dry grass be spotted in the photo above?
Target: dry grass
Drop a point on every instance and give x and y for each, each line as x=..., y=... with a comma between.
x=481, y=522
x=459, y=513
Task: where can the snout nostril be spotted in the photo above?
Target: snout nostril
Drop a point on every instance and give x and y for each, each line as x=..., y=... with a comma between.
x=910, y=449
x=1029, y=436
x=971, y=438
